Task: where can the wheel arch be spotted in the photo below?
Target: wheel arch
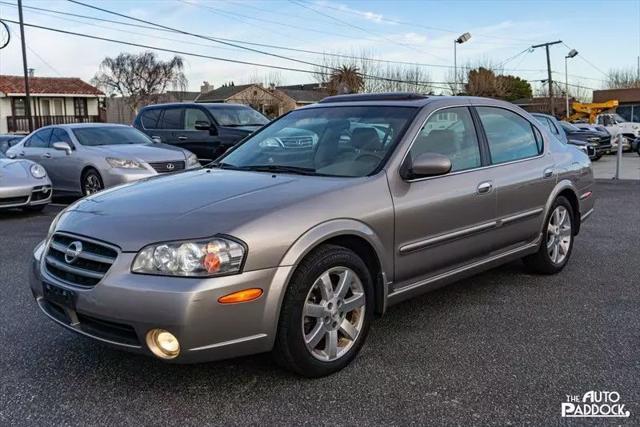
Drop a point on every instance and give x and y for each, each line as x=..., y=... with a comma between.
x=566, y=189
x=351, y=234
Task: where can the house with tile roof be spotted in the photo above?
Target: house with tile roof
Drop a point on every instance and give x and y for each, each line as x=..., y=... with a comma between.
x=54, y=100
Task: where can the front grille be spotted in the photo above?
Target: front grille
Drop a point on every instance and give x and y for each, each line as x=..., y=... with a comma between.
x=87, y=268
x=297, y=141
x=13, y=200
x=165, y=167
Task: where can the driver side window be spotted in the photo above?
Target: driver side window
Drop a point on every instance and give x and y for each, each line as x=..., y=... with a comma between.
x=450, y=132
x=40, y=139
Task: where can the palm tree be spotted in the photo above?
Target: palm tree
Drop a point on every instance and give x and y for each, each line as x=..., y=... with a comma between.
x=345, y=79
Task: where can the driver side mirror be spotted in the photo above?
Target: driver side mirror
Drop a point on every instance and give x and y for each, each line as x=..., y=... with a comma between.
x=62, y=146
x=204, y=125
x=428, y=164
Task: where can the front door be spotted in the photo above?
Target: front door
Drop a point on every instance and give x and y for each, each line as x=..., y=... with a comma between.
x=524, y=175
x=445, y=221
x=36, y=145
x=205, y=144
x=64, y=169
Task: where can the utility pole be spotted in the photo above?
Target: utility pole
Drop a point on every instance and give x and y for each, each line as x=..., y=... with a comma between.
x=27, y=98
x=546, y=46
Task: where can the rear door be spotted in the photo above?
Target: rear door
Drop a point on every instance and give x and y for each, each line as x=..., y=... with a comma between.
x=149, y=123
x=524, y=175
x=445, y=221
x=205, y=144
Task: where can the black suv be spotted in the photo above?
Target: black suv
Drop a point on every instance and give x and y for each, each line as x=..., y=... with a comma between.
x=207, y=130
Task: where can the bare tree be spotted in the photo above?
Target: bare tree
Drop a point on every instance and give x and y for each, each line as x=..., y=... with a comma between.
x=140, y=78
x=623, y=78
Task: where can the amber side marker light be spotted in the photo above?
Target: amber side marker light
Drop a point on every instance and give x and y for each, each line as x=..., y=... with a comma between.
x=244, y=295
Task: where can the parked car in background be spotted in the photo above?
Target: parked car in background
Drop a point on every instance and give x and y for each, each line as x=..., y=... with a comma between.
x=23, y=184
x=6, y=141
x=88, y=157
x=295, y=249
x=635, y=145
x=600, y=137
x=615, y=123
x=205, y=129
x=594, y=148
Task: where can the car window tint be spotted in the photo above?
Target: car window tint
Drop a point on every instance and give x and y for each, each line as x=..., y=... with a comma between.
x=450, y=132
x=172, y=118
x=150, y=118
x=40, y=139
x=193, y=115
x=510, y=136
x=61, y=135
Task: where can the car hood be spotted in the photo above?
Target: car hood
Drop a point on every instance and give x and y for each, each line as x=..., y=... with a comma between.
x=188, y=205
x=143, y=152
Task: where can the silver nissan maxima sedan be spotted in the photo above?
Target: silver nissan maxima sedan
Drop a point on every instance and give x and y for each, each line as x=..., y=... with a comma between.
x=23, y=184
x=85, y=158
x=294, y=248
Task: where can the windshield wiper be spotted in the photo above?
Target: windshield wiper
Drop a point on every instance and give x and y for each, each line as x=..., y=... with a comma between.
x=279, y=168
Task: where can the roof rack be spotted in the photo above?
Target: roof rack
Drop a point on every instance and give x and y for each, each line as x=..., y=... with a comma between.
x=393, y=96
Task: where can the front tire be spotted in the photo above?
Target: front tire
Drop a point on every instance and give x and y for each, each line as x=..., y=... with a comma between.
x=557, y=243
x=326, y=313
x=91, y=182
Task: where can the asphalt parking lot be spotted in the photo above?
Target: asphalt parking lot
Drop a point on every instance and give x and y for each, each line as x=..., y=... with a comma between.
x=503, y=347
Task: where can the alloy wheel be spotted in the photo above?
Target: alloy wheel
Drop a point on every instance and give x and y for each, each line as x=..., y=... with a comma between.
x=91, y=184
x=333, y=314
x=559, y=235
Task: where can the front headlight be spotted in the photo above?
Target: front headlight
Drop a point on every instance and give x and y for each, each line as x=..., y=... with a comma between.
x=124, y=163
x=37, y=171
x=192, y=160
x=199, y=258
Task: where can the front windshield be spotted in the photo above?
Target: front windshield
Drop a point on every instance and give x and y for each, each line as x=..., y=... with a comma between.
x=618, y=118
x=334, y=141
x=110, y=135
x=234, y=116
x=569, y=127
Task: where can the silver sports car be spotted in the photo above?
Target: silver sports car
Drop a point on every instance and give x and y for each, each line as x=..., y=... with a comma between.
x=88, y=157
x=23, y=184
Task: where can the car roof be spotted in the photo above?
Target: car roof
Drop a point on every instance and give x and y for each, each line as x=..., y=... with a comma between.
x=85, y=125
x=403, y=100
x=215, y=105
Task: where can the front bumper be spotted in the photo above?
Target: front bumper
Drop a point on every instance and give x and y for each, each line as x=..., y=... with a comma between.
x=123, y=307
x=24, y=196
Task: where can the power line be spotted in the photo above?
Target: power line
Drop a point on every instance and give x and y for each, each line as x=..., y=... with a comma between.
x=587, y=61
x=272, y=46
x=257, y=64
x=362, y=29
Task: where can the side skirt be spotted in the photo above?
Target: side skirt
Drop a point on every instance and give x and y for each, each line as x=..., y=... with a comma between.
x=411, y=290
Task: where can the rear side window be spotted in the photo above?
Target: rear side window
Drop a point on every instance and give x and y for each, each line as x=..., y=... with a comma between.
x=172, y=119
x=40, y=139
x=150, y=118
x=510, y=136
x=450, y=132
x=61, y=135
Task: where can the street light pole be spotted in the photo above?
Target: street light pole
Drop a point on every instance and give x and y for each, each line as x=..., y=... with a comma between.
x=463, y=38
x=572, y=53
x=27, y=98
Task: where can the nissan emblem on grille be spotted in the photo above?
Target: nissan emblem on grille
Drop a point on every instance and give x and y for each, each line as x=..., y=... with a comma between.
x=170, y=166
x=73, y=252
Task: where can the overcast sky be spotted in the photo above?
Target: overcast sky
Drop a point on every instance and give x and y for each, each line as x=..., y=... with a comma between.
x=606, y=33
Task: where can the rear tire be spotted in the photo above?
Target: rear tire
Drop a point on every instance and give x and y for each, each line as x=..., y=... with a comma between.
x=557, y=242
x=326, y=313
x=91, y=182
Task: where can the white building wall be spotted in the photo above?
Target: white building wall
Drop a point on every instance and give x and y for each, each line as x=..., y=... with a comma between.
x=5, y=111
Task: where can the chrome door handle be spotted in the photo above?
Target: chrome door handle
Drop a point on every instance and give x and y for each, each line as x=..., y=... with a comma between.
x=484, y=187
x=182, y=138
x=46, y=155
x=548, y=172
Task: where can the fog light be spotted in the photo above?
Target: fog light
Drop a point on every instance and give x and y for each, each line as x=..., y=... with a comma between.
x=163, y=343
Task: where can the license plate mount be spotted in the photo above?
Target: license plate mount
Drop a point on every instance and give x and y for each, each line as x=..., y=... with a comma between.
x=60, y=296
